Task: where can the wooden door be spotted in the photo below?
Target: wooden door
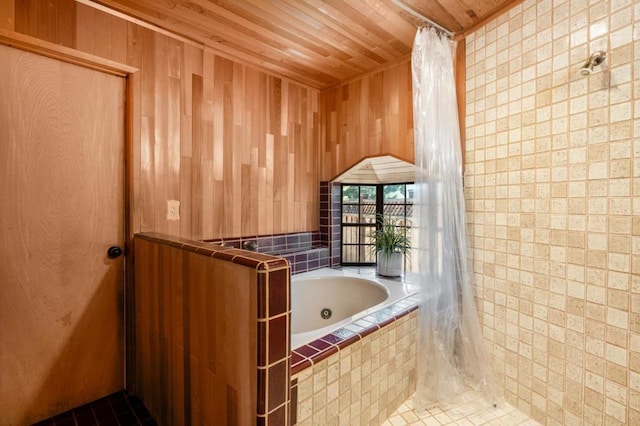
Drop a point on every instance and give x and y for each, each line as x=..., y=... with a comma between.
x=61, y=208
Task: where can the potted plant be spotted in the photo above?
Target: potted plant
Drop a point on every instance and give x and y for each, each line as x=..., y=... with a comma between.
x=390, y=245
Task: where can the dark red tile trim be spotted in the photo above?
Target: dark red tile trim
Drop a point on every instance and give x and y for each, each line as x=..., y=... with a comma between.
x=298, y=363
x=278, y=344
x=325, y=354
x=249, y=259
x=294, y=402
x=301, y=366
x=306, y=351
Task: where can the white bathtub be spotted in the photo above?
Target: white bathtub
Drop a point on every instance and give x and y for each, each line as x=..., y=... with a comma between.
x=349, y=295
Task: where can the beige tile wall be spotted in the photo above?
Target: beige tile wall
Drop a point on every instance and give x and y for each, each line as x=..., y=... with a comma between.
x=363, y=383
x=553, y=195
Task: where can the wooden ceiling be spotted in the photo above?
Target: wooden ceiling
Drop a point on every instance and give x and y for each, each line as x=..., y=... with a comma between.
x=319, y=43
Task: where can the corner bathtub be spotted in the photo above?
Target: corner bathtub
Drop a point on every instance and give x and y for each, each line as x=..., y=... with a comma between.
x=326, y=300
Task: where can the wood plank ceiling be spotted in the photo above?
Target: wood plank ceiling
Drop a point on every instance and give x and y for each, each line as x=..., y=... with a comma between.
x=319, y=43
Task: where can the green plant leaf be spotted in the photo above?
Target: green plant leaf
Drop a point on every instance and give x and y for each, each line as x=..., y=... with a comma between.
x=389, y=237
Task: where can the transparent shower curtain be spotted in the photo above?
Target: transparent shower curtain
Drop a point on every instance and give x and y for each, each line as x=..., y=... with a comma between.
x=450, y=352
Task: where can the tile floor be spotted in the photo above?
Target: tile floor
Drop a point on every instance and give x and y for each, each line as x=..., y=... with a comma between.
x=473, y=411
x=118, y=409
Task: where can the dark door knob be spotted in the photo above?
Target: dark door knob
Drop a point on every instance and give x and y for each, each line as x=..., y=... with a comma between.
x=113, y=252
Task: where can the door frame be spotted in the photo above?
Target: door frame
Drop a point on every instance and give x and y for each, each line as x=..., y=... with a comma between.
x=131, y=133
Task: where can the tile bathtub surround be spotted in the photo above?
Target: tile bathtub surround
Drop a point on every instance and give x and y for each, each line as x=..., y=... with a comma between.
x=273, y=244
x=305, y=251
x=363, y=383
x=330, y=217
x=552, y=184
x=314, y=352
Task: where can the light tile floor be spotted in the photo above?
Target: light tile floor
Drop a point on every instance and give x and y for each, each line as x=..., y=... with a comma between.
x=472, y=411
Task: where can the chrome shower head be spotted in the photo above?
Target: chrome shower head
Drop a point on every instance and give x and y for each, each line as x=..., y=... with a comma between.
x=594, y=60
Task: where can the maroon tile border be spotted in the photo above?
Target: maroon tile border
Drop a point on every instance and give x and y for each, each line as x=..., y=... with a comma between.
x=312, y=353
x=330, y=218
x=305, y=251
x=259, y=261
x=294, y=402
x=274, y=360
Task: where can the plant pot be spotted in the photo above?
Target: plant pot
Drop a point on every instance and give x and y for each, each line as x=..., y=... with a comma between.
x=389, y=265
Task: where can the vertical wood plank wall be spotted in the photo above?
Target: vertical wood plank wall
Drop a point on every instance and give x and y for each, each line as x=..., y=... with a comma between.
x=196, y=337
x=212, y=333
x=237, y=147
x=365, y=118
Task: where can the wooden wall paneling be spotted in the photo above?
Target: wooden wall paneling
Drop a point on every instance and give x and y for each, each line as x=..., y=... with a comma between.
x=255, y=208
x=299, y=164
x=7, y=15
x=84, y=25
x=267, y=212
x=186, y=200
x=195, y=180
x=210, y=152
x=367, y=117
x=260, y=109
x=185, y=153
x=244, y=133
x=174, y=118
x=313, y=166
x=101, y=32
x=140, y=373
x=235, y=122
x=246, y=199
x=26, y=17
x=134, y=58
x=161, y=121
x=233, y=146
x=153, y=298
x=197, y=334
x=222, y=150
x=146, y=198
x=202, y=338
x=391, y=86
x=355, y=129
x=277, y=170
x=118, y=40
x=238, y=141
x=174, y=332
x=287, y=148
x=262, y=202
x=66, y=23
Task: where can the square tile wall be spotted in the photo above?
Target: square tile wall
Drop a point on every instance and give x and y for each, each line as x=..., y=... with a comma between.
x=364, y=382
x=305, y=251
x=552, y=184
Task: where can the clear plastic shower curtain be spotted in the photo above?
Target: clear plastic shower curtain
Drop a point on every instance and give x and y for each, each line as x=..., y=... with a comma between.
x=450, y=352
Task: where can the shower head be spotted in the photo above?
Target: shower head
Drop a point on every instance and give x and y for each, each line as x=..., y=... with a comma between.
x=594, y=60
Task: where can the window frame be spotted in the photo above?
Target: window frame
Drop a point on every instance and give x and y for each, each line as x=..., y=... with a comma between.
x=380, y=204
